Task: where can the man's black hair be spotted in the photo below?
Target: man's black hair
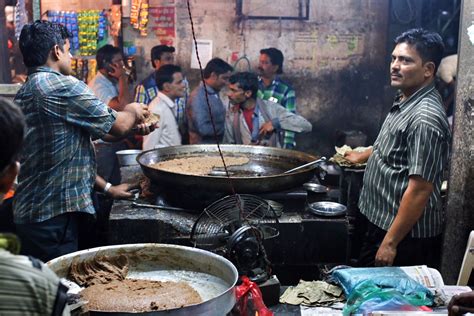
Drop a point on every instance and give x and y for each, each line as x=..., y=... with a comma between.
x=158, y=50
x=105, y=54
x=428, y=44
x=276, y=57
x=165, y=74
x=246, y=81
x=38, y=38
x=217, y=66
x=12, y=128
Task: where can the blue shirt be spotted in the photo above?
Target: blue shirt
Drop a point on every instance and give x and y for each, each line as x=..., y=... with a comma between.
x=199, y=120
x=58, y=162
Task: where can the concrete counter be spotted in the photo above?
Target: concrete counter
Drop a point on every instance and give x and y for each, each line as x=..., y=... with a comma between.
x=305, y=241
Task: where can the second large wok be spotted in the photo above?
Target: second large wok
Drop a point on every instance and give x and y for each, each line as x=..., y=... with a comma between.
x=264, y=172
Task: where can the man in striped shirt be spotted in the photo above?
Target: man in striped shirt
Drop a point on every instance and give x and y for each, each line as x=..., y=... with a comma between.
x=400, y=198
x=27, y=286
x=272, y=88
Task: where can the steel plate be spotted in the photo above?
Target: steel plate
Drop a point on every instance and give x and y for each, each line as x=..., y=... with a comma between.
x=314, y=187
x=327, y=208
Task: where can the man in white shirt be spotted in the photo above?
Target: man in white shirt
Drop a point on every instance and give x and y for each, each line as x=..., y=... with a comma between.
x=170, y=83
x=110, y=85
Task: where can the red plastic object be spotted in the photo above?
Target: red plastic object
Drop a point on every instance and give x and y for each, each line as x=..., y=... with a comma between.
x=246, y=290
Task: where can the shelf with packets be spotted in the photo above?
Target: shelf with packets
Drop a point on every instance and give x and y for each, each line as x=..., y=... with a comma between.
x=84, y=67
x=88, y=28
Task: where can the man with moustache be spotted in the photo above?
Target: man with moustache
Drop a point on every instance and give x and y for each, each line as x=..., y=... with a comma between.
x=272, y=88
x=170, y=82
x=253, y=121
x=200, y=123
x=400, y=198
x=147, y=90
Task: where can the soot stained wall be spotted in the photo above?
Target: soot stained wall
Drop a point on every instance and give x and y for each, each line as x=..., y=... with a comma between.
x=336, y=60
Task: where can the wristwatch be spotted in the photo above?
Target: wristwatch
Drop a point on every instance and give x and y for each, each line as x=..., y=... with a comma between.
x=107, y=187
x=127, y=71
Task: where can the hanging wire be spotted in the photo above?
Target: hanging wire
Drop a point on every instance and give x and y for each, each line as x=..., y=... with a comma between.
x=207, y=99
x=411, y=13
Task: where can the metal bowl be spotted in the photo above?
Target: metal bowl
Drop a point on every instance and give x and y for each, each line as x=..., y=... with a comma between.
x=128, y=157
x=315, y=187
x=212, y=276
x=327, y=208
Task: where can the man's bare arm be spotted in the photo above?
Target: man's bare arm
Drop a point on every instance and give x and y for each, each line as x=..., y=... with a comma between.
x=411, y=208
x=358, y=156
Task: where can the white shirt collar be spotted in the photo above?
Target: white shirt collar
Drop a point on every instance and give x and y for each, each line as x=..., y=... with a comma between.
x=166, y=100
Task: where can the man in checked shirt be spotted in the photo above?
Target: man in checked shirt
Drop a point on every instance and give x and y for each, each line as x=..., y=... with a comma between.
x=272, y=88
x=58, y=171
x=400, y=198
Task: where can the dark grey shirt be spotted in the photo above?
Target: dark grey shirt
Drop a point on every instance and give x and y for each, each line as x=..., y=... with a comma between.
x=414, y=140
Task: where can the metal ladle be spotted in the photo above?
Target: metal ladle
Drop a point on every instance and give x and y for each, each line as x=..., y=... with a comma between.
x=306, y=165
x=162, y=207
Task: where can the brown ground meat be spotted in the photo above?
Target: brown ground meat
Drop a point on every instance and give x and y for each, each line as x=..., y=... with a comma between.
x=201, y=165
x=99, y=270
x=107, y=289
x=132, y=295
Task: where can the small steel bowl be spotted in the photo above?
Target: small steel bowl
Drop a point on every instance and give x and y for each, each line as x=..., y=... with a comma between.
x=327, y=208
x=314, y=187
x=128, y=157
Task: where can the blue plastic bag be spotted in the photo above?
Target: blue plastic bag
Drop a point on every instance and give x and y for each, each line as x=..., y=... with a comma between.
x=380, y=287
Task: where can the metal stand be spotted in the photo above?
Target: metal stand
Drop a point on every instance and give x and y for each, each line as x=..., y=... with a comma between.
x=351, y=185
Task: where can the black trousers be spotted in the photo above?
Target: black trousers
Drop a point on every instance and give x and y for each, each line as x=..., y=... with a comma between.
x=410, y=251
x=52, y=238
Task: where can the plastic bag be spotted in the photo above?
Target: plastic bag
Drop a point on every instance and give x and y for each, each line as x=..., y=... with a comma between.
x=380, y=288
x=368, y=297
x=384, y=277
x=249, y=299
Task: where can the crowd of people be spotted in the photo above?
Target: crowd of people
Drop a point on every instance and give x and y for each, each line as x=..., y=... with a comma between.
x=66, y=135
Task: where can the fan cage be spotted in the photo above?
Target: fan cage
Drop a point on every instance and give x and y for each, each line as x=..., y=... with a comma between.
x=222, y=218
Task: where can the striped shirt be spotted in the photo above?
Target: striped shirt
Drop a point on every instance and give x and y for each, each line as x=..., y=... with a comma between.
x=25, y=289
x=147, y=90
x=414, y=140
x=58, y=161
x=280, y=92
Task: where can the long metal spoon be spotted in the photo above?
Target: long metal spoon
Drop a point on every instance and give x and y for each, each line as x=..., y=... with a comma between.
x=162, y=207
x=305, y=165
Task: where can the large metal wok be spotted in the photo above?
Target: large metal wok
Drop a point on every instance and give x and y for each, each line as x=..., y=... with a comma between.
x=264, y=172
x=212, y=276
